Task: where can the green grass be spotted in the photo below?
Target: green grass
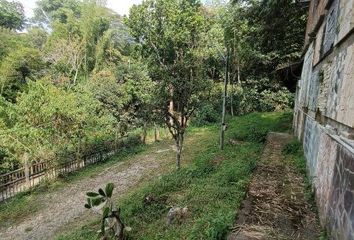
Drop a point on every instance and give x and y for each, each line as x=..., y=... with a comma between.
x=295, y=157
x=212, y=184
x=293, y=153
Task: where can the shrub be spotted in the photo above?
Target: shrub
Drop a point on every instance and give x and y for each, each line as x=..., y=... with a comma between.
x=260, y=95
x=253, y=134
x=7, y=163
x=276, y=101
x=132, y=140
x=205, y=115
x=257, y=135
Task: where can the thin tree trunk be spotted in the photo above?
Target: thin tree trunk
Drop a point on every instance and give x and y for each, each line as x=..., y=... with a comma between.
x=179, y=145
x=223, y=125
x=170, y=109
x=157, y=133
x=27, y=170
x=75, y=77
x=178, y=156
x=144, y=132
x=232, y=95
x=85, y=74
x=238, y=74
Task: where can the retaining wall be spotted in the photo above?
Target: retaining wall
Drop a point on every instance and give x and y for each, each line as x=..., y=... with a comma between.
x=324, y=112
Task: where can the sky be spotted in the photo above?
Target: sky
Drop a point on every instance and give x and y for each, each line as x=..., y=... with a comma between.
x=119, y=6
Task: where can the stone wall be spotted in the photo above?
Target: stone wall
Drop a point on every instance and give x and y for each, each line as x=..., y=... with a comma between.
x=324, y=112
x=316, y=14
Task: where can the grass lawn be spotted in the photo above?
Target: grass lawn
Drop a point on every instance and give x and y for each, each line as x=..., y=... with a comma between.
x=211, y=183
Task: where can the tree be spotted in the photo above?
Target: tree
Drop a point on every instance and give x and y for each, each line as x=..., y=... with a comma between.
x=10, y=41
x=49, y=11
x=47, y=120
x=275, y=32
x=67, y=57
x=20, y=66
x=126, y=92
x=12, y=15
x=36, y=37
x=169, y=33
x=83, y=40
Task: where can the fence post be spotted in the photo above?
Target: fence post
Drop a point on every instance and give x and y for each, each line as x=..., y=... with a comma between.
x=26, y=167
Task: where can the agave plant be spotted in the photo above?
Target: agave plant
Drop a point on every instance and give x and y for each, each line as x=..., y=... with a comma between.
x=101, y=201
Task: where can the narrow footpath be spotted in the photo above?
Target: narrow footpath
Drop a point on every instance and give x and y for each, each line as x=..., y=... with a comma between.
x=276, y=206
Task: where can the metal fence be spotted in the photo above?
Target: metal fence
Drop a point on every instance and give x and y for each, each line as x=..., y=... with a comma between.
x=26, y=177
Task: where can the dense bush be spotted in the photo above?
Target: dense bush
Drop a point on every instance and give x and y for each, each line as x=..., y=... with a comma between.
x=132, y=140
x=205, y=115
x=253, y=95
x=7, y=163
x=276, y=101
x=69, y=89
x=253, y=134
x=260, y=95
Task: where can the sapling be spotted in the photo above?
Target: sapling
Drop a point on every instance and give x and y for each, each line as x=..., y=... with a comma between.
x=101, y=202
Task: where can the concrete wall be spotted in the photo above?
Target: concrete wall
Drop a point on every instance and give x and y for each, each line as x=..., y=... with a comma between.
x=324, y=112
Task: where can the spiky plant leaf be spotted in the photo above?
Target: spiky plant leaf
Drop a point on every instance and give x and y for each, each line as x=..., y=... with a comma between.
x=92, y=194
x=109, y=189
x=101, y=192
x=97, y=201
x=106, y=212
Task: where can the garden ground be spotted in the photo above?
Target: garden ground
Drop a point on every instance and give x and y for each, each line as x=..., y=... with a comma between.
x=212, y=184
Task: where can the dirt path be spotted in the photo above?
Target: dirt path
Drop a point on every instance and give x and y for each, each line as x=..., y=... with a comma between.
x=276, y=207
x=66, y=205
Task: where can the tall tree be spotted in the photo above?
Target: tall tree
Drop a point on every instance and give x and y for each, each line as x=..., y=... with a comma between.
x=48, y=11
x=278, y=31
x=20, y=66
x=12, y=15
x=169, y=32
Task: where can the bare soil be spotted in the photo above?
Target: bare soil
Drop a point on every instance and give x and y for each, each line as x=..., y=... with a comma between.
x=276, y=206
x=61, y=209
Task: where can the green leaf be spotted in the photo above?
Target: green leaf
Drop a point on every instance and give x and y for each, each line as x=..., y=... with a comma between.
x=87, y=206
x=101, y=192
x=106, y=212
x=109, y=189
x=97, y=201
x=92, y=194
x=103, y=230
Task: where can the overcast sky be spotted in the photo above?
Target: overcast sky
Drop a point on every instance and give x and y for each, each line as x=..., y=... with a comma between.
x=119, y=6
